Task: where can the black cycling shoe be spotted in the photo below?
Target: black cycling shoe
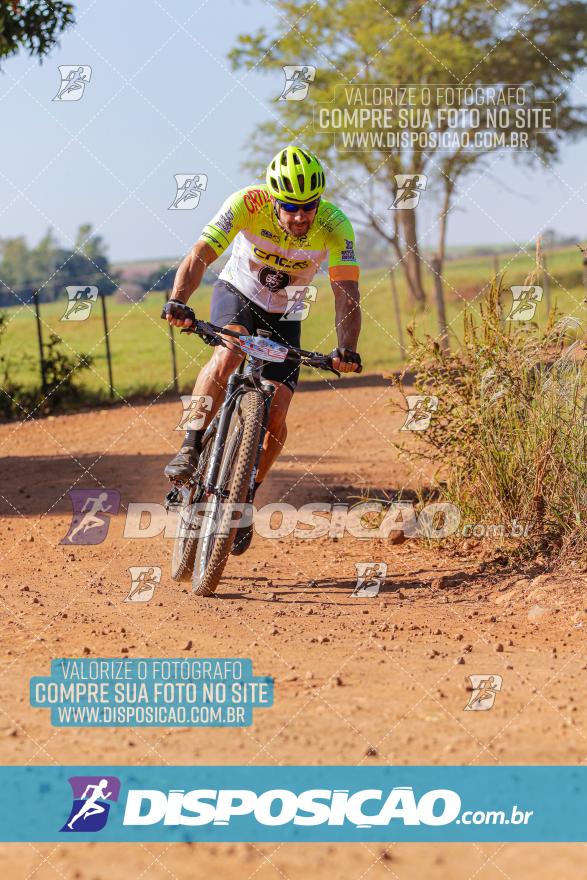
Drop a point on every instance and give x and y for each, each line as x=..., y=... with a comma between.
x=243, y=539
x=182, y=467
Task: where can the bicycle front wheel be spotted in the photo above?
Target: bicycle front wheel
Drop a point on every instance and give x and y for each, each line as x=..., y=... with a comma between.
x=216, y=533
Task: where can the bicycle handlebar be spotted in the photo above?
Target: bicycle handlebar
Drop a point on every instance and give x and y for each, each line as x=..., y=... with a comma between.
x=212, y=335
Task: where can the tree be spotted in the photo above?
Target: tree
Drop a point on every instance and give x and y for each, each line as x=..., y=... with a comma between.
x=32, y=25
x=15, y=269
x=402, y=42
x=160, y=279
x=43, y=263
x=49, y=268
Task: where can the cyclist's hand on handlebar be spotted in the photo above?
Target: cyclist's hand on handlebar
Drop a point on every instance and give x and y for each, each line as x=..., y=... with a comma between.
x=346, y=361
x=178, y=314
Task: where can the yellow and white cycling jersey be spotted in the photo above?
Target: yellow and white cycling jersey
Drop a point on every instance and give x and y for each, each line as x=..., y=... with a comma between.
x=266, y=260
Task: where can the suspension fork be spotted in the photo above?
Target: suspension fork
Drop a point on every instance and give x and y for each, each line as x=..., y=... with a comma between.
x=268, y=391
x=224, y=416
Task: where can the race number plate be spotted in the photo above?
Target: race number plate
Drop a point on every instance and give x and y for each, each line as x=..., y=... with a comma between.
x=265, y=349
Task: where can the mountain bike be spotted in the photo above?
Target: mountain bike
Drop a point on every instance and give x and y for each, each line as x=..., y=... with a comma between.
x=217, y=499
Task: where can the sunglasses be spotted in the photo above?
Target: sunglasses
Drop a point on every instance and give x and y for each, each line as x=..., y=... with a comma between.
x=291, y=208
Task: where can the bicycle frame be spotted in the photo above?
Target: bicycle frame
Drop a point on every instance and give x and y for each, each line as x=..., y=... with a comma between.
x=239, y=382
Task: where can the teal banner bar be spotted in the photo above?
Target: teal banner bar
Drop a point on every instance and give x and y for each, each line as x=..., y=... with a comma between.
x=293, y=804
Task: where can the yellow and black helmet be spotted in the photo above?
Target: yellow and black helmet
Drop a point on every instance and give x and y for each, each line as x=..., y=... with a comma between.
x=295, y=175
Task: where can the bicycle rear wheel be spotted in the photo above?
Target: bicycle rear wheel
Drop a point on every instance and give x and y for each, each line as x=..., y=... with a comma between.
x=216, y=533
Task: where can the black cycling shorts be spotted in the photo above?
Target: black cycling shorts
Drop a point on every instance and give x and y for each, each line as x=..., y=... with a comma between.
x=230, y=306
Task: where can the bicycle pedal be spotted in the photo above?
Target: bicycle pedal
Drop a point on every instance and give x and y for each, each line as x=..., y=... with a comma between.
x=173, y=498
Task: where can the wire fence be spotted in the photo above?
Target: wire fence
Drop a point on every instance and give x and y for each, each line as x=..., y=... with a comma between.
x=135, y=353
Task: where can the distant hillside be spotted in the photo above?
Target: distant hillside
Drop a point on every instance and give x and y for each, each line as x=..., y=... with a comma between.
x=131, y=269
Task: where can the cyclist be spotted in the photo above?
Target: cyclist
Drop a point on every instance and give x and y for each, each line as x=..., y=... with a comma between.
x=282, y=231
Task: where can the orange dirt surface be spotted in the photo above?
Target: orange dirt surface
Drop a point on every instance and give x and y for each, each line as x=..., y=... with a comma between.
x=357, y=680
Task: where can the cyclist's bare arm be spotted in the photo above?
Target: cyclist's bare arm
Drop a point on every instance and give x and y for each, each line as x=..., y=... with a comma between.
x=348, y=319
x=189, y=276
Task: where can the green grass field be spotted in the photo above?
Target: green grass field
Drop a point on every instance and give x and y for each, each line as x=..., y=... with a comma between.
x=140, y=342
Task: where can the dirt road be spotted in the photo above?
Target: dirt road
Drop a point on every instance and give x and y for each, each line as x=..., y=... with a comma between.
x=378, y=681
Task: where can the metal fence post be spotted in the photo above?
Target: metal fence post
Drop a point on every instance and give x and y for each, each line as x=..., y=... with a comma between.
x=40, y=338
x=173, y=354
x=107, y=340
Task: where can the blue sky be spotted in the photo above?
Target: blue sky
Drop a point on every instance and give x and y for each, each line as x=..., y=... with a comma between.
x=162, y=101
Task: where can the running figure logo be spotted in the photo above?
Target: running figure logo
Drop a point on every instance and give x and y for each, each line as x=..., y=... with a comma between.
x=299, y=299
x=409, y=189
x=297, y=81
x=92, y=509
x=484, y=689
x=144, y=579
x=525, y=298
x=90, y=808
x=194, y=411
x=420, y=409
x=370, y=578
x=79, y=303
x=74, y=79
x=189, y=189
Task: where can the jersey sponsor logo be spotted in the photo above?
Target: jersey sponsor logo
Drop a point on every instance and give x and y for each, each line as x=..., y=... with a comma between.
x=225, y=221
x=273, y=279
x=210, y=237
x=255, y=199
x=278, y=260
x=267, y=234
x=348, y=254
x=331, y=218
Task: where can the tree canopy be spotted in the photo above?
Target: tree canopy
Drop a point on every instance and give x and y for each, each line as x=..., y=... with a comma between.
x=49, y=268
x=32, y=25
x=403, y=42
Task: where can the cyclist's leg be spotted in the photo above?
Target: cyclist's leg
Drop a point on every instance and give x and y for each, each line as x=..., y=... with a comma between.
x=276, y=433
x=285, y=378
x=229, y=309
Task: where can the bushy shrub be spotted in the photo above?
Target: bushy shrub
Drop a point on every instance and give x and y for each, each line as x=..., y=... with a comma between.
x=61, y=389
x=509, y=433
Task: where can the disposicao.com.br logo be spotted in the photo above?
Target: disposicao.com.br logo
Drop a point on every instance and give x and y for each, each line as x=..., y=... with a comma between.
x=365, y=808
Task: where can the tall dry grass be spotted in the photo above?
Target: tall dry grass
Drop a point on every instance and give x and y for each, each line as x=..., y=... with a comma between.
x=509, y=436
